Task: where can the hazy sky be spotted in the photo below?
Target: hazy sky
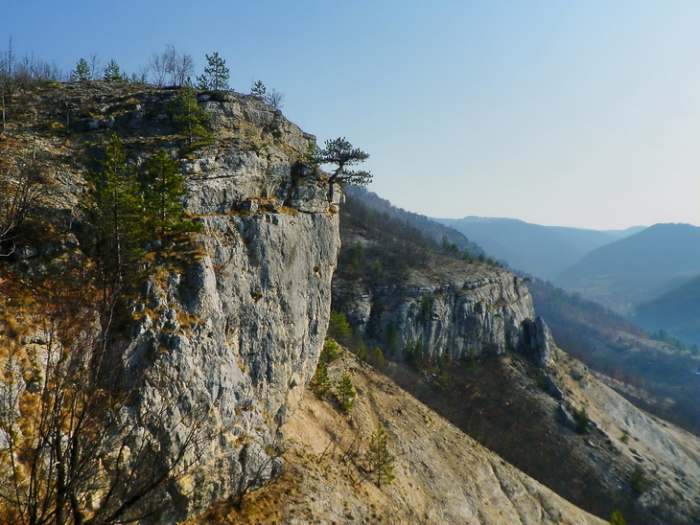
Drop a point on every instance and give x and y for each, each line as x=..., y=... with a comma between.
x=575, y=113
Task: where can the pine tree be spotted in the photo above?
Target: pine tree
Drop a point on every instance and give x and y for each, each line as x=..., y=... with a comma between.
x=116, y=209
x=112, y=72
x=186, y=114
x=163, y=187
x=381, y=462
x=321, y=384
x=216, y=74
x=345, y=392
x=340, y=152
x=82, y=72
x=258, y=90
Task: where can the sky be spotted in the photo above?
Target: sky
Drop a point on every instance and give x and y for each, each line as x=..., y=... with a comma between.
x=575, y=113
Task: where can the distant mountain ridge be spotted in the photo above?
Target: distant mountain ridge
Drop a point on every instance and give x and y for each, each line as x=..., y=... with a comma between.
x=676, y=311
x=426, y=225
x=542, y=251
x=638, y=268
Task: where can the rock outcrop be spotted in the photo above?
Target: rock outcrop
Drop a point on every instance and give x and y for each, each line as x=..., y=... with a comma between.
x=451, y=310
x=538, y=341
x=228, y=337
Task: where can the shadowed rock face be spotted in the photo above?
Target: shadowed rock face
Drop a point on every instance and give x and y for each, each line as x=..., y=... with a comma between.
x=227, y=338
x=457, y=311
x=538, y=342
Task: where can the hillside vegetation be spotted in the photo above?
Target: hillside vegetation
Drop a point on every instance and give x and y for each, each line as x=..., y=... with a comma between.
x=442, y=474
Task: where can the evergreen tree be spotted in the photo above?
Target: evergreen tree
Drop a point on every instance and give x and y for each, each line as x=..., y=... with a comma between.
x=345, y=392
x=381, y=462
x=321, y=384
x=187, y=116
x=339, y=328
x=116, y=209
x=258, y=90
x=216, y=74
x=340, y=152
x=163, y=187
x=112, y=72
x=82, y=72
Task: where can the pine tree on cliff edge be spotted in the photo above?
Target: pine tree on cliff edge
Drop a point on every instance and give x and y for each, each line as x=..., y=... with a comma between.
x=342, y=154
x=216, y=74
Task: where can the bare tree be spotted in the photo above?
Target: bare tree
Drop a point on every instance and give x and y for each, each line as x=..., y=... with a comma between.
x=6, y=68
x=275, y=99
x=170, y=65
x=19, y=192
x=157, y=69
x=67, y=429
x=183, y=69
x=262, y=462
x=94, y=66
x=3, y=90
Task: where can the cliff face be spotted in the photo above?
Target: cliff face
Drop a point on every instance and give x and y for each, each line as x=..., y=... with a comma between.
x=440, y=307
x=230, y=337
x=260, y=297
x=459, y=314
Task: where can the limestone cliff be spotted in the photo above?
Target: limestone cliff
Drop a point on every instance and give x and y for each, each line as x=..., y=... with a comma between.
x=444, y=307
x=230, y=336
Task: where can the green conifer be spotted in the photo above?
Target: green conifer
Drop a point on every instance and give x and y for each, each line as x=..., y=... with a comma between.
x=215, y=75
x=163, y=187
x=112, y=72
x=82, y=72
x=116, y=208
x=188, y=117
x=259, y=89
x=345, y=392
x=616, y=518
x=321, y=384
x=381, y=462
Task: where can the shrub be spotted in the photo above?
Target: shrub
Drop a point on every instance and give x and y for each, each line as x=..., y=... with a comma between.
x=582, y=420
x=330, y=352
x=376, y=358
x=616, y=518
x=638, y=481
